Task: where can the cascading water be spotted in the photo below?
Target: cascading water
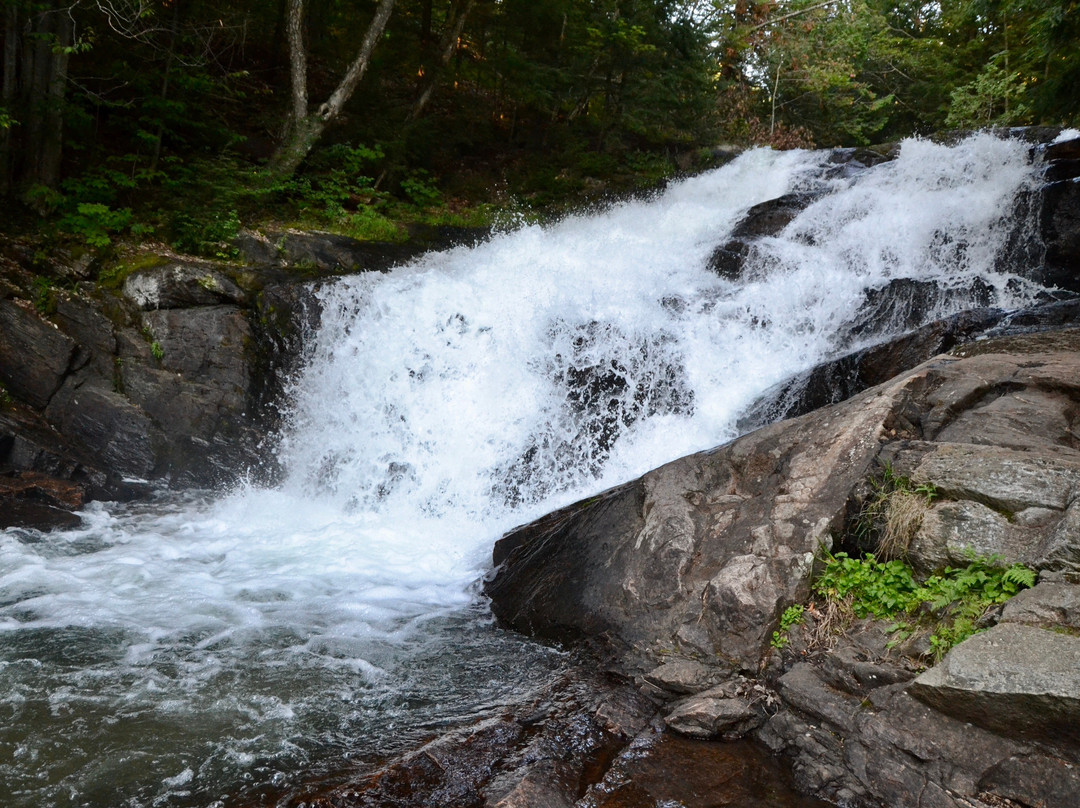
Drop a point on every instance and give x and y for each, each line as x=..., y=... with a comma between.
x=186, y=651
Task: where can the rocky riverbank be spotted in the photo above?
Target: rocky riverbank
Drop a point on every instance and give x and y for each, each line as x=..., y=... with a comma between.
x=157, y=369
x=674, y=587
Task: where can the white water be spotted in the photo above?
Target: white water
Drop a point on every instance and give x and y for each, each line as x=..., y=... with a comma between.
x=177, y=652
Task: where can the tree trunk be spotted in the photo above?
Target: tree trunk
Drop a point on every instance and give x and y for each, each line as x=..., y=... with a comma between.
x=305, y=127
x=447, y=47
x=294, y=32
x=42, y=82
x=48, y=173
x=7, y=93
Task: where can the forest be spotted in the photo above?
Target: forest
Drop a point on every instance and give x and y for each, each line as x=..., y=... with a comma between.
x=183, y=120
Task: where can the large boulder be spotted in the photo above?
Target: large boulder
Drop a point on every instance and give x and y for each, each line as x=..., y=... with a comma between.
x=1018, y=680
x=698, y=558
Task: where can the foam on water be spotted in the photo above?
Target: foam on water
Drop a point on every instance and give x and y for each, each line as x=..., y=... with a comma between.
x=175, y=652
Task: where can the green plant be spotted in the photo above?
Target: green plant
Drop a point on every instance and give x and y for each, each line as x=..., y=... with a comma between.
x=420, y=189
x=370, y=225
x=208, y=233
x=949, y=605
x=95, y=223
x=44, y=296
x=792, y=616
x=892, y=515
x=157, y=351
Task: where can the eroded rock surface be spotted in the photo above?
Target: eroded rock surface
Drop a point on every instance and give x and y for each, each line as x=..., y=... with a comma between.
x=700, y=556
x=682, y=575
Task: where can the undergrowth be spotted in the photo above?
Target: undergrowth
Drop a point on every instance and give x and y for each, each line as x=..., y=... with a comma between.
x=949, y=604
x=893, y=514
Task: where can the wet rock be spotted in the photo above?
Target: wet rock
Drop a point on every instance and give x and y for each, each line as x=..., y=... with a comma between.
x=666, y=770
x=49, y=490
x=764, y=219
x=683, y=676
x=714, y=715
x=551, y=784
x=540, y=754
x=20, y=513
x=840, y=379
x=1061, y=234
x=34, y=354
x=1015, y=679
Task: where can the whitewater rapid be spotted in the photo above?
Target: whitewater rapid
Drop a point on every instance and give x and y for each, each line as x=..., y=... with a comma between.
x=179, y=651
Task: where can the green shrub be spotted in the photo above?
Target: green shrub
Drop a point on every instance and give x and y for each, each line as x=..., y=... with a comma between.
x=949, y=604
x=95, y=223
x=420, y=189
x=208, y=233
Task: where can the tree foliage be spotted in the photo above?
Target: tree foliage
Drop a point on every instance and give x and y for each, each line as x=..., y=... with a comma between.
x=111, y=102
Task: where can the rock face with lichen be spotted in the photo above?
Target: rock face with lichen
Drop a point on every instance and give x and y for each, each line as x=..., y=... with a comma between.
x=162, y=378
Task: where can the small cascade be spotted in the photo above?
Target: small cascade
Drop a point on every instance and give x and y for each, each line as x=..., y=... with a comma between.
x=184, y=651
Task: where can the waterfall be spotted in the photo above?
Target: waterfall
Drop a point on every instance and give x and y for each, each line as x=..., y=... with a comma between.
x=178, y=651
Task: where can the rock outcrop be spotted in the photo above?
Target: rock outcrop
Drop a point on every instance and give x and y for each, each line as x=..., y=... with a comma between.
x=699, y=557
x=679, y=578
x=166, y=369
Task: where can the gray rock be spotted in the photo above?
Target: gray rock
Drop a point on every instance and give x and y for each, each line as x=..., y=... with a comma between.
x=34, y=354
x=91, y=330
x=1014, y=679
x=720, y=543
x=1024, y=419
x=709, y=716
x=952, y=530
x=1062, y=549
x=1007, y=480
x=181, y=285
x=327, y=252
x=1047, y=604
x=803, y=688
x=207, y=344
x=106, y=424
x=1033, y=779
x=683, y=676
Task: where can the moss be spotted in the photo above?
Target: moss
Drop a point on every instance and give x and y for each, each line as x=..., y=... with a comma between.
x=113, y=277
